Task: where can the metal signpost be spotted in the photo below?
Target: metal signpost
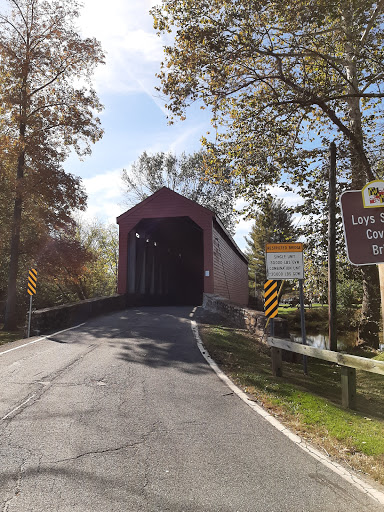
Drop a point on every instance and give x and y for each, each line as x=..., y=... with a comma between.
x=32, y=282
x=271, y=307
x=285, y=261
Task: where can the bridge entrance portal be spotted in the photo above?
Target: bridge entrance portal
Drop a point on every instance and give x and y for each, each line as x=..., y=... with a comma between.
x=166, y=262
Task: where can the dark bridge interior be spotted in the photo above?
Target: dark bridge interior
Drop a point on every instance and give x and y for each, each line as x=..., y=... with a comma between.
x=166, y=262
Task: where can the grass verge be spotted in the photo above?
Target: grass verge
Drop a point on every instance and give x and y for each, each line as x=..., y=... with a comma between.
x=6, y=336
x=309, y=405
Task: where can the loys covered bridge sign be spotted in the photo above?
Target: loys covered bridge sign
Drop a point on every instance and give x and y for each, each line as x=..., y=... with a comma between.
x=363, y=220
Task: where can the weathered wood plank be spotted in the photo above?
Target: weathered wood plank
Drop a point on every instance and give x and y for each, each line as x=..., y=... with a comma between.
x=277, y=362
x=348, y=387
x=360, y=363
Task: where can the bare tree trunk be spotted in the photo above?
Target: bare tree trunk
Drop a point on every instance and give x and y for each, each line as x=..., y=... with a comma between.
x=10, y=323
x=361, y=174
x=381, y=278
x=370, y=313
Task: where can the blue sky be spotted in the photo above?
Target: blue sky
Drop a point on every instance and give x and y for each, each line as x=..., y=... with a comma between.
x=134, y=118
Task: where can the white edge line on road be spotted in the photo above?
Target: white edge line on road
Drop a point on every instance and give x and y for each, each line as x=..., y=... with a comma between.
x=40, y=339
x=363, y=486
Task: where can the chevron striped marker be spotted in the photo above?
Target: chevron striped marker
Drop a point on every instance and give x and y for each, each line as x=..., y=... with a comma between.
x=32, y=281
x=271, y=303
x=31, y=289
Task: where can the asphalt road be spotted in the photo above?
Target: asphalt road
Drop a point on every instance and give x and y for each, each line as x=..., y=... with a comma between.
x=124, y=414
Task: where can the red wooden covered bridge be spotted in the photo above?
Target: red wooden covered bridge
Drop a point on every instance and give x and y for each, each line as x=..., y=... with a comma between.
x=172, y=251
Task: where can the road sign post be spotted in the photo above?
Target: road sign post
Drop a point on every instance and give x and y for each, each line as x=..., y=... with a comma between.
x=32, y=282
x=271, y=306
x=285, y=261
x=332, y=305
x=302, y=318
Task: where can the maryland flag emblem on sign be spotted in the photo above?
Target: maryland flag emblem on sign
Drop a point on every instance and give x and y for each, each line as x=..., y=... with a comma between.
x=373, y=194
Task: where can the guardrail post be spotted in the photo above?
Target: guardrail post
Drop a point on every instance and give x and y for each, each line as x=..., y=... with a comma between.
x=277, y=362
x=348, y=387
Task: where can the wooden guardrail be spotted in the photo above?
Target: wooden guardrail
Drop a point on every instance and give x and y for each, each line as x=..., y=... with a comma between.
x=348, y=364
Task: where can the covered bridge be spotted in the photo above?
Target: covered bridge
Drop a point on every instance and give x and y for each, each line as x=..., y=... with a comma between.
x=172, y=251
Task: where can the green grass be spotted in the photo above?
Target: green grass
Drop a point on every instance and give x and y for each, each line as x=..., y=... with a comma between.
x=286, y=310
x=6, y=336
x=316, y=318
x=309, y=404
x=356, y=431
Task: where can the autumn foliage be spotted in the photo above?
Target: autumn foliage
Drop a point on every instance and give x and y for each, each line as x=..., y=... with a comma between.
x=48, y=108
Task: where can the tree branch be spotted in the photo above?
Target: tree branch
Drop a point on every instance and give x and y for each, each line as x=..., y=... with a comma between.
x=321, y=102
x=378, y=9
x=49, y=82
x=21, y=13
x=7, y=22
x=48, y=105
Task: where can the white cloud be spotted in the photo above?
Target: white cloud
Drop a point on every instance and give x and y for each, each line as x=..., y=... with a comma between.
x=242, y=230
x=103, y=183
x=289, y=198
x=104, y=196
x=133, y=50
x=182, y=141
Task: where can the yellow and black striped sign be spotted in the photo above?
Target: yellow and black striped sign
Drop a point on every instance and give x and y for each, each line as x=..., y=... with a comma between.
x=32, y=281
x=271, y=303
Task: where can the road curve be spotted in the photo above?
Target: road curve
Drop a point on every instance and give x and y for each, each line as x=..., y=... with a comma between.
x=124, y=414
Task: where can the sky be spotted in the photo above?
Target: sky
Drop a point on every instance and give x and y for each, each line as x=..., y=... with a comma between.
x=134, y=117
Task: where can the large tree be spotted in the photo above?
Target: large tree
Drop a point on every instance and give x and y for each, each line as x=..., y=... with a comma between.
x=47, y=108
x=185, y=174
x=282, y=78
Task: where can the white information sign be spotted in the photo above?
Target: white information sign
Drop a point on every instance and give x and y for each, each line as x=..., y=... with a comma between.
x=284, y=261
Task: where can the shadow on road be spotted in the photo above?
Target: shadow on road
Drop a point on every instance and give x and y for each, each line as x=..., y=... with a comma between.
x=157, y=337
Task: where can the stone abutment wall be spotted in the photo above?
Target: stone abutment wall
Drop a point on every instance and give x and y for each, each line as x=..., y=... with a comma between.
x=59, y=317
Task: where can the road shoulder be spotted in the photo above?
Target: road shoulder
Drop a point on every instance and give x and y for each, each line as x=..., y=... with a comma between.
x=364, y=484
